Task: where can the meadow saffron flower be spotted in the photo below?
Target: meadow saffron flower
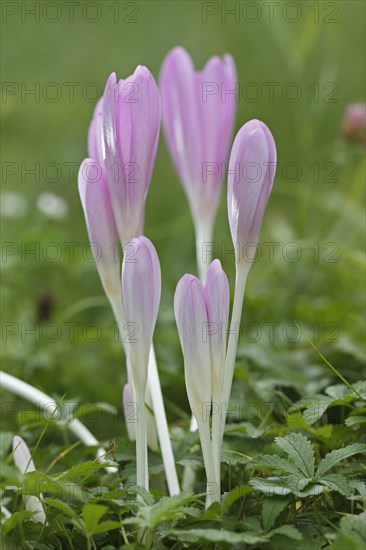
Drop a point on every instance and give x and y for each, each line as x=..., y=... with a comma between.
x=113, y=184
x=123, y=139
x=141, y=289
x=201, y=314
x=24, y=463
x=198, y=110
x=251, y=173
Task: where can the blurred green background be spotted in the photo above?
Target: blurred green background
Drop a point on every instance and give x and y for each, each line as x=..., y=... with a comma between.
x=323, y=54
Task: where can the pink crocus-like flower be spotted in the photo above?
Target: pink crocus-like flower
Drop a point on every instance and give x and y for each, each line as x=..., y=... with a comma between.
x=141, y=289
x=252, y=169
x=201, y=313
x=114, y=180
x=122, y=142
x=198, y=110
x=24, y=463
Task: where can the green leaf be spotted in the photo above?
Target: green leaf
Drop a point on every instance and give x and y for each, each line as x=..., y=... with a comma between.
x=92, y=513
x=288, y=531
x=105, y=526
x=316, y=410
x=334, y=457
x=220, y=535
x=83, y=469
x=300, y=451
x=11, y=523
x=234, y=495
x=277, y=462
x=337, y=482
x=355, y=421
x=270, y=486
x=351, y=533
x=271, y=509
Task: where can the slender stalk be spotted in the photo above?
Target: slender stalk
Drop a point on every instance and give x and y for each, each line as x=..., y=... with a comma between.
x=157, y=405
x=32, y=394
x=242, y=270
x=213, y=495
x=203, y=232
x=141, y=447
x=217, y=441
x=162, y=425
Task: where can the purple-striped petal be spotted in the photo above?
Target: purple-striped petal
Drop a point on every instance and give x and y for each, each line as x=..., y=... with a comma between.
x=192, y=321
x=141, y=289
x=96, y=147
x=218, y=300
x=102, y=231
x=251, y=174
x=131, y=124
x=198, y=117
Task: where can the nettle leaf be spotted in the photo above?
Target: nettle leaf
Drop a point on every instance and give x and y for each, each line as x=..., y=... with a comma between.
x=300, y=451
x=271, y=485
x=334, y=457
x=234, y=495
x=277, y=462
x=337, y=482
x=271, y=509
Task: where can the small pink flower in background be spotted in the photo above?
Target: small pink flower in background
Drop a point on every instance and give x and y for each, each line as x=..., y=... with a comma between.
x=354, y=123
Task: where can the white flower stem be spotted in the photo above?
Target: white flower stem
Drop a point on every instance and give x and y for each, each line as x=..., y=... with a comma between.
x=162, y=425
x=32, y=394
x=217, y=441
x=242, y=270
x=213, y=495
x=203, y=232
x=142, y=478
x=158, y=408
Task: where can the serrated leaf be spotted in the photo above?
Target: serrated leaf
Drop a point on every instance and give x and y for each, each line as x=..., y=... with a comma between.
x=288, y=531
x=300, y=451
x=271, y=509
x=275, y=461
x=316, y=410
x=83, y=469
x=334, y=457
x=355, y=421
x=92, y=513
x=297, y=483
x=337, y=482
x=270, y=486
x=234, y=495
